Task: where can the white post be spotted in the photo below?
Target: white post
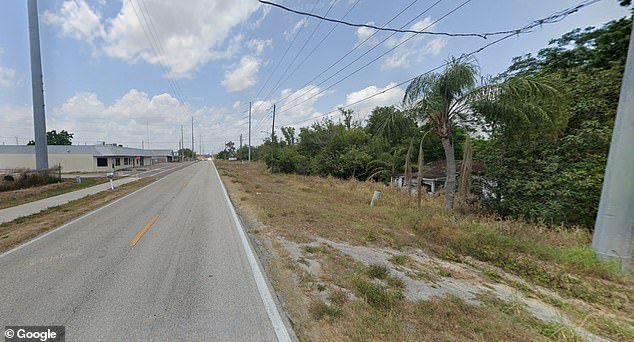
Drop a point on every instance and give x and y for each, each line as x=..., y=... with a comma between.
x=375, y=198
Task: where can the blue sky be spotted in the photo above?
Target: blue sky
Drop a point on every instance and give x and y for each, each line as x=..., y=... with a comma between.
x=104, y=80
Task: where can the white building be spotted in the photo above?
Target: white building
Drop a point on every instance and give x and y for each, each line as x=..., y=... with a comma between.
x=78, y=158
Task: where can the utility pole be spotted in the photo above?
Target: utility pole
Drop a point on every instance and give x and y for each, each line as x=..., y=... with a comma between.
x=273, y=127
x=182, y=144
x=614, y=228
x=249, y=156
x=192, y=137
x=37, y=84
x=240, y=150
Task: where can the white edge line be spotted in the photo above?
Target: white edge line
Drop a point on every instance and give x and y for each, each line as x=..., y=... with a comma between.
x=265, y=293
x=77, y=219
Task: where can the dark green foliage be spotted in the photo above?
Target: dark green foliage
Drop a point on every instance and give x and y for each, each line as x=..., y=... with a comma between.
x=27, y=179
x=54, y=138
x=186, y=153
x=228, y=152
x=554, y=173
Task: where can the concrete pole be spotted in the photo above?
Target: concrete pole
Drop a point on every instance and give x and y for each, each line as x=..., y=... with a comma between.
x=614, y=229
x=192, y=137
x=39, y=117
x=249, y=157
x=182, y=144
x=273, y=127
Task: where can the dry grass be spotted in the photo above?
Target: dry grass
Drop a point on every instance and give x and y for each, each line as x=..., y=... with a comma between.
x=21, y=196
x=300, y=209
x=25, y=228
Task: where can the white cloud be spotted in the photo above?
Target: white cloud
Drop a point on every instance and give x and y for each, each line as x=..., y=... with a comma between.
x=234, y=45
x=125, y=121
x=385, y=98
x=434, y=46
x=257, y=46
x=188, y=31
x=264, y=12
x=414, y=49
x=290, y=113
x=16, y=122
x=243, y=75
x=8, y=77
x=301, y=103
x=291, y=33
x=364, y=33
x=77, y=20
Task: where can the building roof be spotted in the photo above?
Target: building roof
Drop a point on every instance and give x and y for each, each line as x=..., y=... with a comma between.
x=438, y=169
x=94, y=150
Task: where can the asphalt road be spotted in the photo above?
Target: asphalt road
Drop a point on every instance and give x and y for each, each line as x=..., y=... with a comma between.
x=188, y=277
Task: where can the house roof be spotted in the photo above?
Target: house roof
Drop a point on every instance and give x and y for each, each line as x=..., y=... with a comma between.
x=438, y=168
x=94, y=150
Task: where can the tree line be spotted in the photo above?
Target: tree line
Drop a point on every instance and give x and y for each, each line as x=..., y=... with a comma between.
x=542, y=129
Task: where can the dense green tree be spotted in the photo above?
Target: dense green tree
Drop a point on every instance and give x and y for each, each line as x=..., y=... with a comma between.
x=289, y=135
x=555, y=175
x=55, y=138
x=450, y=99
x=391, y=124
x=228, y=152
x=186, y=153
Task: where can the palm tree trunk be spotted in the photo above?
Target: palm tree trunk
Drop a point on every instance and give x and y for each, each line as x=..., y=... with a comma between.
x=450, y=183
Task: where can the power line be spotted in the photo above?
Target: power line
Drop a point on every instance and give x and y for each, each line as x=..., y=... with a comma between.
x=300, y=50
x=375, y=59
x=448, y=34
x=159, y=43
x=283, y=56
x=553, y=18
x=319, y=44
x=146, y=31
x=356, y=47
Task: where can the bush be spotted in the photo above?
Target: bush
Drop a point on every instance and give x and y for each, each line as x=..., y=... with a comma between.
x=28, y=179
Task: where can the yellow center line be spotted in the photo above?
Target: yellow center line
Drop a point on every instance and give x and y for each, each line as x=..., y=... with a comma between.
x=136, y=239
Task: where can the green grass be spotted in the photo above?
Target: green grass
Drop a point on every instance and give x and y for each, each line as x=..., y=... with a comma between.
x=314, y=249
x=517, y=313
x=492, y=274
x=378, y=296
x=399, y=259
x=378, y=271
x=69, y=187
x=320, y=310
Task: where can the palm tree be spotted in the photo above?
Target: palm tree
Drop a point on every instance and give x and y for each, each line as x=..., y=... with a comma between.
x=454, y=97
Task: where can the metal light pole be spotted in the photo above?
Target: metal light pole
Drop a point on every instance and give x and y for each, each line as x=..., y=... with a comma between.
x=614, y=229
x=39, y=118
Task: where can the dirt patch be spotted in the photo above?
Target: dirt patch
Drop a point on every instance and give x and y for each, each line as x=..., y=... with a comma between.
x=24, y=228
x=339, y=264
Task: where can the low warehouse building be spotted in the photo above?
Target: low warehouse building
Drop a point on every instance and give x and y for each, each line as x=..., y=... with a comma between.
x=78, y=158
